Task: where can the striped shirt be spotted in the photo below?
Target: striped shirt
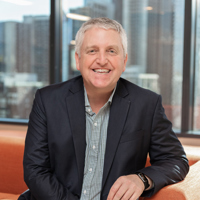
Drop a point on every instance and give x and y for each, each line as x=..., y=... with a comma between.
x=96, y=135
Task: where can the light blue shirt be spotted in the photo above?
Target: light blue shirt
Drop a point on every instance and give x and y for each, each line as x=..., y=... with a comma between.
x=96, y=135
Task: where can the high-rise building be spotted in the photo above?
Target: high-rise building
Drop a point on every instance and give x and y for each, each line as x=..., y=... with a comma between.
x=135, y=24
x=118, y=10
x=160, y=38
x=177, y=71
x=24, y=63
x=155, y=39
x=23, y=47
x=39, y=45
x=2, y=48
x=10, y=31
x=103, y=8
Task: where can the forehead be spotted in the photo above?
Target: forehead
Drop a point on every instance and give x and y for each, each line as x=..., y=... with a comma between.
x=101, y=36
x=96, y=29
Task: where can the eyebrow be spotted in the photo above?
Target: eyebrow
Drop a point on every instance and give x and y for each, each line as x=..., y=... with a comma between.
x=110, y=46
x=89, y=47
x=114, y=47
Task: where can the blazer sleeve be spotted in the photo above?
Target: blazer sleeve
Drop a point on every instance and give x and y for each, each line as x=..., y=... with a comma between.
x=168, y=160
x=38, y=173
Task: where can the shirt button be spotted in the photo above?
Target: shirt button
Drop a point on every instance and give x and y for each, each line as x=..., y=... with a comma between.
x=90, y=170
x=95, y=124
x=93, y=147
x=89, y=110
x=84, y=192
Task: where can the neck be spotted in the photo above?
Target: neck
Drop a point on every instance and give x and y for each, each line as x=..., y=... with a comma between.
x=98, y=98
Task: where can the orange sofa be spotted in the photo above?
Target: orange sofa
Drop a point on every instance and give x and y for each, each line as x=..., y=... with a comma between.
x=12, y=183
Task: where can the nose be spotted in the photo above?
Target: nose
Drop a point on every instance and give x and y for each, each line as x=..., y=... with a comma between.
x=102, y=58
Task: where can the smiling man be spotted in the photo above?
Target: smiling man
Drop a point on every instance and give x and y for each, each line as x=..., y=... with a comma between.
x=89, y=137
x=101, y=61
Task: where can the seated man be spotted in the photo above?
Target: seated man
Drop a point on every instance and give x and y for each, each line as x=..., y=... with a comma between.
x=88, y=138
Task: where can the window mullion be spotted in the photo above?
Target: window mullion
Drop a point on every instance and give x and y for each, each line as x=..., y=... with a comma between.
x=56, y=41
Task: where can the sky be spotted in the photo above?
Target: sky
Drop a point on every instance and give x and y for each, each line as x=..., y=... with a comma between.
x=13, y=12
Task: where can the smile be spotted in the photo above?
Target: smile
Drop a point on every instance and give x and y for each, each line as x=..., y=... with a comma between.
x=100, y=71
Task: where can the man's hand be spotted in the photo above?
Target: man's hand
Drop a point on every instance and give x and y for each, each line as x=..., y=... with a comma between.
x=126, y=188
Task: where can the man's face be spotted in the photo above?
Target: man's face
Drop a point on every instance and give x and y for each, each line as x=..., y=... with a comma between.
x=102, y=60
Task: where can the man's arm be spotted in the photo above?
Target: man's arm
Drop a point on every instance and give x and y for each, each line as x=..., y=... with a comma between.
x=38, y=173
x=168, y=161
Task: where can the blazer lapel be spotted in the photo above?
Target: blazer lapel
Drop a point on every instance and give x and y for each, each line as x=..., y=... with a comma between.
x=76, y=111
x=118, y=113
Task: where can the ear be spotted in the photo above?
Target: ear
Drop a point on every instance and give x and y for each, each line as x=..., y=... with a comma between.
x=125, y=61
x=77, y=61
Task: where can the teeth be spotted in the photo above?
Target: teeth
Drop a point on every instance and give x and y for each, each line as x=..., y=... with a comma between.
x=101, y=70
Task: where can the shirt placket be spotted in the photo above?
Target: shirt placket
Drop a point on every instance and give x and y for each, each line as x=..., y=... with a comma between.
x=95, y=121
x=96, y=133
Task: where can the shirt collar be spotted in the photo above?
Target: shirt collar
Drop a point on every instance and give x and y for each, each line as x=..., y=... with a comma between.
x=87, y=103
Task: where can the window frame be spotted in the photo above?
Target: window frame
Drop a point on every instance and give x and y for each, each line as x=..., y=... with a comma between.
x=188, y=85
x=55, y=42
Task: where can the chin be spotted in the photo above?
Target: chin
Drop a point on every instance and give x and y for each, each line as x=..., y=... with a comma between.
x=104, y=87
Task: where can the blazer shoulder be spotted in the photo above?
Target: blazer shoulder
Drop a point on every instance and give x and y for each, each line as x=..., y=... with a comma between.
x=63, y=88
x=137, y=91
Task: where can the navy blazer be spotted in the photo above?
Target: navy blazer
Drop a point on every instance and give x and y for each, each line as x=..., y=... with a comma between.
x=55, y=143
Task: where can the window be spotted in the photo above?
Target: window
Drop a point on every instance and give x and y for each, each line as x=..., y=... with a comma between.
x=163, y=51
x=24, y=55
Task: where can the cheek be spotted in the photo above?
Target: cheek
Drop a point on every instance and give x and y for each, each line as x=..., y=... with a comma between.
x=117, y=63
x=89, y=62
x=121, y=67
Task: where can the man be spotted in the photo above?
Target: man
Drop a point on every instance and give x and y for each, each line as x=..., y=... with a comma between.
x=88, y=138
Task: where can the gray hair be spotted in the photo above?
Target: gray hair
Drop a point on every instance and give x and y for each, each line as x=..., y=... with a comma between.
x=101, y=22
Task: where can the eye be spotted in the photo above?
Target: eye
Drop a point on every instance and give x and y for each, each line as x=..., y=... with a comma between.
x=91, y=51
x=112, y=51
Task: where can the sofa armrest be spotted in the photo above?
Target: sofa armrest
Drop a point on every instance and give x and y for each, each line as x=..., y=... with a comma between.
x=187, y=189
x=11, y=162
